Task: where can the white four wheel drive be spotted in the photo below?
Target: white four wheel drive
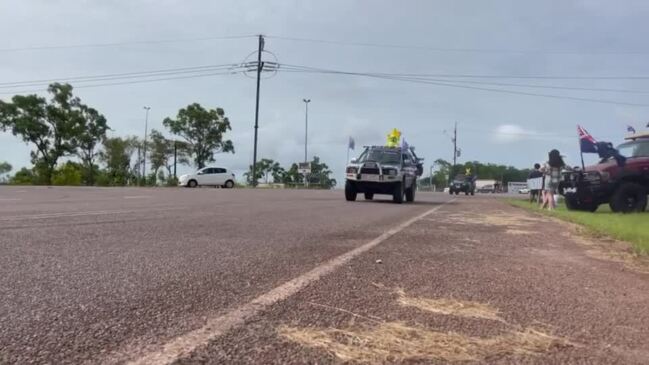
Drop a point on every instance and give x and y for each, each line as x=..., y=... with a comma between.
x=384, y=170
x=208, y=176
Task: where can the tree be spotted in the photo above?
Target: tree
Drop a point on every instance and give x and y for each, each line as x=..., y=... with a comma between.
x=319, y=175
x=278, y=174
x=5, y=168
x=443, y=174
x=203, y=130
x=162, y=152
x=292, y=176
x=116, y=155
x=262, y=166
x=93, y=131
x=69, y=173
x=24, y=176
x=52, y=127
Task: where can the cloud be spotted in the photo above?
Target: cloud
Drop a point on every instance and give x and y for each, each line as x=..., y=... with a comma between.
x=507, y=133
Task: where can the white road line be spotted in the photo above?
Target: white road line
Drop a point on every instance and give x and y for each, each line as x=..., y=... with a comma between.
x=216, y=327
x=63, y=215
x=137, y=196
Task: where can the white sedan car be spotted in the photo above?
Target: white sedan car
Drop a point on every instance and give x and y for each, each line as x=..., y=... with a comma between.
x=208, y=176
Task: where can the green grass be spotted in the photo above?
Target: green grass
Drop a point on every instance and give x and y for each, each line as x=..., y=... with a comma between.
x=633, y=228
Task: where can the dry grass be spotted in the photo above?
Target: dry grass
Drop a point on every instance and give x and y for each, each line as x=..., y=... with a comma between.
x=451, y=307
x=396, y=341
x=518, y=232
x=611, y=251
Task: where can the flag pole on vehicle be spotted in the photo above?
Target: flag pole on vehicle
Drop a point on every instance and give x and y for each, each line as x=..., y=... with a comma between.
x=587, y=144
x=351, y=144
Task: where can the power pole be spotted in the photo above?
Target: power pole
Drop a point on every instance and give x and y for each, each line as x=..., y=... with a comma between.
x=146, y=128
x=452, y=172
x=306, y=127
x=260, y=66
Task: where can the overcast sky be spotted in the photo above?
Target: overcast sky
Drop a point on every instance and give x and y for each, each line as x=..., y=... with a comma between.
x=507, y=38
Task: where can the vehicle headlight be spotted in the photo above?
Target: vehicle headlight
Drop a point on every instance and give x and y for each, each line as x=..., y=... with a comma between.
x=352, y=170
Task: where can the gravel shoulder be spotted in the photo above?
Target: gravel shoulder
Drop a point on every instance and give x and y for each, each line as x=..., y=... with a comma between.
x=477, y=281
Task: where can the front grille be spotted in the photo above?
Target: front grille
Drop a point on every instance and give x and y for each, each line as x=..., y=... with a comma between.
x=369, y=170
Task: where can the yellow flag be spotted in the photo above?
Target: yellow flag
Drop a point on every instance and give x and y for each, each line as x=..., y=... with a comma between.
x=393, y=138
x=467, y=171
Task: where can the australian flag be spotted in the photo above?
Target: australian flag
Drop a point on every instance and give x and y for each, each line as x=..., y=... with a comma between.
x=587, y=143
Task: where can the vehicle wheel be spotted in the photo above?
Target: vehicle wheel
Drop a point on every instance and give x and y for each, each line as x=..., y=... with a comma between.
x=629, y=197
x=457, y=192
x=229, y=184
x=192, y=184
x=410, y=194
x=350, y=192
x=450, y=192
x=466, y=193
x=369, y=196
x=573, y=203
x=397, y=193
x=472, y=192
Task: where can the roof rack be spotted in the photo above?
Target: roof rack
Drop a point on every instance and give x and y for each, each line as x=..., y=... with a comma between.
x=637, y=135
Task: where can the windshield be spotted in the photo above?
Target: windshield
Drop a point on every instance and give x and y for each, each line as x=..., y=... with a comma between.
x=635, y=149
x=384, y=157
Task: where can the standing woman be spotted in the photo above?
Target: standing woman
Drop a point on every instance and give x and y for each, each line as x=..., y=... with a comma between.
x=552, y=172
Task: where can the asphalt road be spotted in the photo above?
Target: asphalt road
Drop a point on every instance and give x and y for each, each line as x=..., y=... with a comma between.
x=91, y=275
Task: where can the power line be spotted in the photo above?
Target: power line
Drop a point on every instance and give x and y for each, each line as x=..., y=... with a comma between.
x=554, y=87
x=290, y=68
x=133, y=82
x=138, y=74
x=457, y=50
x=482, y=76
x=117, y=44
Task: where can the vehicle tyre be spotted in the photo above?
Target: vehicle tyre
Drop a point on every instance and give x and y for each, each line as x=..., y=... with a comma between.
x=369, y=196
x=397, y=193
x=629, y=197
x=410, y=193
x=350, y=192
x=573, y=203
x=457, y=192
x=450, y=191
x=466, y=192
x=472, y=192
x=192, y=183
x=229, y=184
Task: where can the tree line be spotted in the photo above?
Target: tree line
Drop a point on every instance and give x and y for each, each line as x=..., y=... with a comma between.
x=489, y=171
x=271, y=171
x=71, y=145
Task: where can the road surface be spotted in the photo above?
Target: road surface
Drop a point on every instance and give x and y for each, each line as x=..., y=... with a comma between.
x=188, y=276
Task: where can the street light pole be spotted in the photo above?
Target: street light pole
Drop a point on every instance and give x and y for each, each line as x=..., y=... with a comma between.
x=306, y=127
x=146, y=129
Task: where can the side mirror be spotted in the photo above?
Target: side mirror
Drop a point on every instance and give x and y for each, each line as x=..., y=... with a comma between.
x=199, y=173
x=353, y=160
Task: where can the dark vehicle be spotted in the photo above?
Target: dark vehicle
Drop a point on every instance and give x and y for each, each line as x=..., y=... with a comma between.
x=620, y=179
x=462, y=184
x=384, y=170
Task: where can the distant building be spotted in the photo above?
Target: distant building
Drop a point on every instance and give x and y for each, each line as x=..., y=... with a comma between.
x=515, y=186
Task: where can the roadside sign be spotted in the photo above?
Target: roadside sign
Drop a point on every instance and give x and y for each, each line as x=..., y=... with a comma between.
x=304, y=167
